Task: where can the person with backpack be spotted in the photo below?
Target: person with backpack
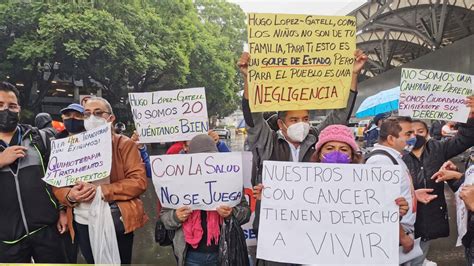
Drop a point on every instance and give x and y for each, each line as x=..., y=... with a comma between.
x=30, y=224
x=44, y=121
x=397, y=136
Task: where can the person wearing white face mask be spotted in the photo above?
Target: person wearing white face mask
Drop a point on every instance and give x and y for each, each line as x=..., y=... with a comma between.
x=295, y=138
x=122, y=189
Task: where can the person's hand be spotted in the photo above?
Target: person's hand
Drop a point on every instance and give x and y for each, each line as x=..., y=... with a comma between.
x=407, y=243
x=423, y=196
x=445, y=175
x=360, y=59
x=257, y=191
x=470, y=104
x=224, y=211
x=82, y=192
x=11, y=154
x=61, y=225
x=467, y=195
x=402, y=206
x=182, y=213
x=213, y=135
x=449, y=165
x=136, y=138
x=243, y=64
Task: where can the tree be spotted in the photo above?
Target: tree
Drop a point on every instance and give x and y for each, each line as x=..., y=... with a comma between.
x=140, y=45
x=213, y=62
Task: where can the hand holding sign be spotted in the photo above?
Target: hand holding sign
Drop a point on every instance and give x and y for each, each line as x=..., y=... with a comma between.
x=182, y=213
x=224, y=211
x=82, y=192
x=470, y=104
x=360, y=60
x=257, y=191
x=243, y=64
x=402, y=206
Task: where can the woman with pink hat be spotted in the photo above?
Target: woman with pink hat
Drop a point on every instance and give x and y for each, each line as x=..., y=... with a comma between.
x=336, y=144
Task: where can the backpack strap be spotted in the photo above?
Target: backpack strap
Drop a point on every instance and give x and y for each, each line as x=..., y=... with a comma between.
x=41, y=141
x=382, y=152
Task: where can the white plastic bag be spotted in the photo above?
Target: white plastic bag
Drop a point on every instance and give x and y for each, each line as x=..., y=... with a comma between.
x=102, y=232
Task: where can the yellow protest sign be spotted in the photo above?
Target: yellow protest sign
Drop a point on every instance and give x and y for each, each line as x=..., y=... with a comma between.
x=299, y=62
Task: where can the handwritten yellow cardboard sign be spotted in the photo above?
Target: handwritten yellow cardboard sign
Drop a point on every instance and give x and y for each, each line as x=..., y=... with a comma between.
x=299, y=62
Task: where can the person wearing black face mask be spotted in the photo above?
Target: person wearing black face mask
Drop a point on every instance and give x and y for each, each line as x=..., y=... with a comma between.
x=73, y=119
x=29, y=222
x=423, y=162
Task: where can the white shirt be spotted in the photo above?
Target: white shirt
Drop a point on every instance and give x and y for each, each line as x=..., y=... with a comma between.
x=295, y=152
x=406, y=186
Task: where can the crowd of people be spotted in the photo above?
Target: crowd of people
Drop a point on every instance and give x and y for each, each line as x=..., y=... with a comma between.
x=46, y=224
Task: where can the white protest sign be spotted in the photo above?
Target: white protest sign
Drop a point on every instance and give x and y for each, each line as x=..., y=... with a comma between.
x=461, y=210
x=82, y=157
x=250, y=236
x=430, y=94
x=168, y=116
x=202, y=181
x=329, y=214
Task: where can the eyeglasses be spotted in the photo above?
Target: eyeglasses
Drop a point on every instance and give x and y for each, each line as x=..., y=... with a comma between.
x=95, y=113
x=12, y=107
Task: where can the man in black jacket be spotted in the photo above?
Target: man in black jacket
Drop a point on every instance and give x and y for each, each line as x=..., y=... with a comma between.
x=29, y=211
x=427, y=157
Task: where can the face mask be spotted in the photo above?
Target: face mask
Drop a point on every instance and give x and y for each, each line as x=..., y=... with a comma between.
x=298, y=132
x=8, y=121
x=410, y=144
x=420, y=141
x=94, y=122
x=74, y=125
x=335, y=157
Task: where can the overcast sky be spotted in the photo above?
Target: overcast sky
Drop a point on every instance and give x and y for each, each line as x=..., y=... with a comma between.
x=306, y=7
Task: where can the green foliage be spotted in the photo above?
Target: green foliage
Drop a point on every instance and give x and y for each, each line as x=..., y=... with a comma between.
x=140, y=45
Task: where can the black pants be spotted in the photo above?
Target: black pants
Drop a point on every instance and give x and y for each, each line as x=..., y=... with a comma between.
x=69, y=248
x=125, y=244
x=42, y=246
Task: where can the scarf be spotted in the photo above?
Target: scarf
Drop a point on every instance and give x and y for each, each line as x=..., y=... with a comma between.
x=193, y=230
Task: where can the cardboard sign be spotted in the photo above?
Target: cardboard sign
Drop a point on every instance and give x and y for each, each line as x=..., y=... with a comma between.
x=334, y=214
x=168, y=116
x=82, y=157
x=430, y=94
x=299, y=62
x=202, y=181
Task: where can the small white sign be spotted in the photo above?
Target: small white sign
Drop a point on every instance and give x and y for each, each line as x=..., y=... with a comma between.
x=168, y=116
x=202, y=181
x=83, y=157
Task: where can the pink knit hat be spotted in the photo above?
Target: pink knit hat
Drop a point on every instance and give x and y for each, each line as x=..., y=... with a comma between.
x=338, y=133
